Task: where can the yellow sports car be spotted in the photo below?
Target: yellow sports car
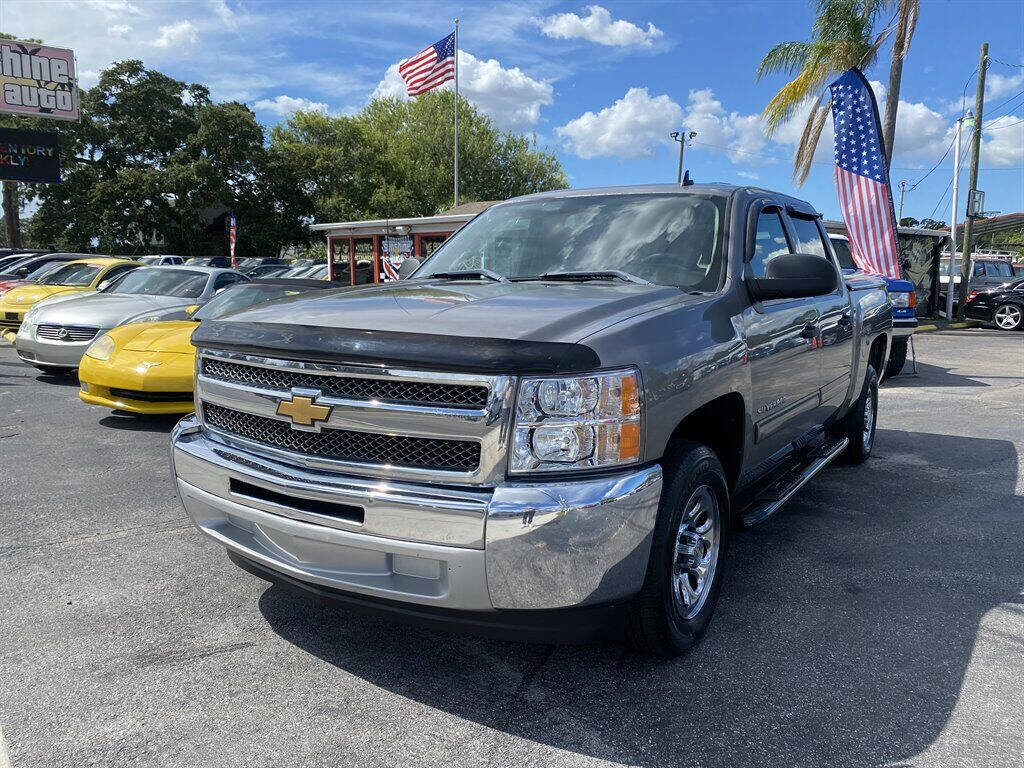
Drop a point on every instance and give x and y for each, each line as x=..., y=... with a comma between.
x=72, y=278
x=148, y=367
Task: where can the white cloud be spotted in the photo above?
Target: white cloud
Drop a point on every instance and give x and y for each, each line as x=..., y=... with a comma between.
x=174, y=35
x=1003, y=142
x=631, y=127
x=112, y=9
x=748, y=175
x=508, y=95
x=120, y=30
x=285, y=105
x=598, y=27
x=741, y=137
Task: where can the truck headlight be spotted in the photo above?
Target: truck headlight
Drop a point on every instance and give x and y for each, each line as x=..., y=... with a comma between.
x=903, y=299
x=577, y=422
x=101, y=349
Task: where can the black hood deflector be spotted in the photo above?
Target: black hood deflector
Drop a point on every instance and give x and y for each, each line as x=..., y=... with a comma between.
x=395, y=349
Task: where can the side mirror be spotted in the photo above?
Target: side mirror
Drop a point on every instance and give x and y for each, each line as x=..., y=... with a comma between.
x=410, y=265
x=191, y=310
x=794, y=276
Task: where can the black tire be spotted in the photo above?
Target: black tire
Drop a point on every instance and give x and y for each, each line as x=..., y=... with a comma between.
x=657, y=624
x=53, y=370
x=897, y=357
x=1016, y=310
x=853, y=425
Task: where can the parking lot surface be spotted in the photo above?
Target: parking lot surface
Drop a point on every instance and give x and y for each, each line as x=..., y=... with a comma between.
x=877, y=620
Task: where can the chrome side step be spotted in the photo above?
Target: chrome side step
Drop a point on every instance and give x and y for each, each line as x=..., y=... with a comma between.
x=770, y=500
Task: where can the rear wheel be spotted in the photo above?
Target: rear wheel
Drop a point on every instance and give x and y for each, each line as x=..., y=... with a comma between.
x=897, y=357
x=859, y=424
x=684, y=572
x=1008, y=317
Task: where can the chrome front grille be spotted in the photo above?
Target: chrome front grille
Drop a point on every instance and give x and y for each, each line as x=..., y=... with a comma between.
x=370, y=421
x=69, y=333
x=347, y=445
x=385, y=390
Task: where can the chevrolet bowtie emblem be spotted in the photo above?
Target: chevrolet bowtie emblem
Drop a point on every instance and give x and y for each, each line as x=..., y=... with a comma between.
x=303, y=412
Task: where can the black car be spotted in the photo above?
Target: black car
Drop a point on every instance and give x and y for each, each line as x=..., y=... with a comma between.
x=1002, y=307
x=209, y=261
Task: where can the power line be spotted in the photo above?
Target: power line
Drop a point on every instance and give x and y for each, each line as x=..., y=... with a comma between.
x=932, y=169
x=949, y=186
x=1006, y=63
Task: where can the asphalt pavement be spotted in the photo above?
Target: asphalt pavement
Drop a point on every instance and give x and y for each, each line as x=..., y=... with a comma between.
x=877, y=620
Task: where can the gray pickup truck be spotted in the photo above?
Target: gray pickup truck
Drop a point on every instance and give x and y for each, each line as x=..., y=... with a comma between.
x=550, y=429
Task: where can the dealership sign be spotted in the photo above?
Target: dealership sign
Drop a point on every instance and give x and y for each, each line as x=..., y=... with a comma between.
x=29, y=156
x=37, y=80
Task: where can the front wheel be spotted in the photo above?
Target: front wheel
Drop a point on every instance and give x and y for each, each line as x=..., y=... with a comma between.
x=685, y=569
x=1008, y=317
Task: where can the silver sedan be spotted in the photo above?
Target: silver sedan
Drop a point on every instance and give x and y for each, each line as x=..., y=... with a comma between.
x=54, y=335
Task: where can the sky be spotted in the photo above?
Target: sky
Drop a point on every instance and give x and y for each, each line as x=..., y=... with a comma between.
x=601, y=85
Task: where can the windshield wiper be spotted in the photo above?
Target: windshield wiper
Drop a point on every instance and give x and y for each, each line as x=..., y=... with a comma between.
x=461, y=274
x=603, y=274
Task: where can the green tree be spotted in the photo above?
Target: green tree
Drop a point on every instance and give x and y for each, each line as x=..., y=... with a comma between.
x=154, y=165
x=842, y=37
x=394, y=158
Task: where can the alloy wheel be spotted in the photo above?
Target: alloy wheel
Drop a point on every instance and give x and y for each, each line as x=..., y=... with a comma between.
x=1007, y=317
x=695, y=558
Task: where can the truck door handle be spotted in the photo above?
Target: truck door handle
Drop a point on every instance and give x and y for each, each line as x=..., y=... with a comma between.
x=810, y=331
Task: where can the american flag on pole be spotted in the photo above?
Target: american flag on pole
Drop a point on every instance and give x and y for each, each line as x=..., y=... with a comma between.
x=862, y=180
x=232, y=234
x=429, y=68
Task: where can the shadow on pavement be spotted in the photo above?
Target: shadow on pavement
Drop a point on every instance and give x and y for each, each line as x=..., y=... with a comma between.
x=68, y=380
x=842, y=636
x=139, y=423
x=929, y=375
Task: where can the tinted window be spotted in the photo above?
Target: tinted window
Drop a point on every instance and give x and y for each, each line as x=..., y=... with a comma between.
x=161, y=281
x=769, y=242
x=842, y=249
x=668, y=239
x=808, y=236
x=223, y=281
x=998, y=269
x=71, y=274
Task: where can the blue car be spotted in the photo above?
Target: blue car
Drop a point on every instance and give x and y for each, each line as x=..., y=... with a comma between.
x=903, y=297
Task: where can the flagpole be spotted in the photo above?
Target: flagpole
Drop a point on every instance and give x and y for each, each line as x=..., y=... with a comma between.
x=456, y=113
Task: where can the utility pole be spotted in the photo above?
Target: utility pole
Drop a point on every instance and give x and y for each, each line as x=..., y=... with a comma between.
x=951, y=286
x=903, y=191
x=979, y=106
x=11, y=219
x=682, y=137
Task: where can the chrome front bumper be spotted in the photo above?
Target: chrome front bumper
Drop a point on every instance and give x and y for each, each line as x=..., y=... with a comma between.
x=903, y=326
x=514, y=546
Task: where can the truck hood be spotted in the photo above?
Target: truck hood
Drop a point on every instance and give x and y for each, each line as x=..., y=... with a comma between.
x=546, y=311
x=520, y=326
x=107, y=309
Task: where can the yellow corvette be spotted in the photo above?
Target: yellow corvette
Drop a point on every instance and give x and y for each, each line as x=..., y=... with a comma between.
x=148, y=367
x=72, y=278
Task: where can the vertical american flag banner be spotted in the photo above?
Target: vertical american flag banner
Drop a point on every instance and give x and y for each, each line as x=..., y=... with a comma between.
x=232, y=236
x=862, y=180
x=429, y=68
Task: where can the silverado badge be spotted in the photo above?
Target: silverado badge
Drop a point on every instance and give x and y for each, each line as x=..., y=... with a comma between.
x=302, y=411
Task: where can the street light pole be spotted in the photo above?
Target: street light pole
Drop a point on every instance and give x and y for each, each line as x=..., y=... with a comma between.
x=951, y=286
x=682, y=137
x=903, y=191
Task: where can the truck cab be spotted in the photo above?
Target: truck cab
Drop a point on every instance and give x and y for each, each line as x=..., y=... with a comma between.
x=550, y=429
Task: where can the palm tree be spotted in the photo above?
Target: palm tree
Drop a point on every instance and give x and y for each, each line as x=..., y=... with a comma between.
x=842, y=37
x=906, y=23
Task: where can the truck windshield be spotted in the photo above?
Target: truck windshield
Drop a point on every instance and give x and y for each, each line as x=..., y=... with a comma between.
x=666, y=239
